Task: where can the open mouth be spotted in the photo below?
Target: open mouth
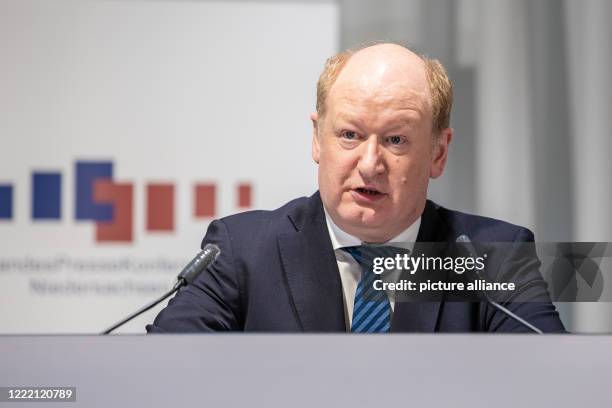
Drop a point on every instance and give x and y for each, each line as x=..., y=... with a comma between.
x=369, y=192
x=367, y=196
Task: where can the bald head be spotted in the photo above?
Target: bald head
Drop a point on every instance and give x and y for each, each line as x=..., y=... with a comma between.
x=384, y=65
x=382, y=70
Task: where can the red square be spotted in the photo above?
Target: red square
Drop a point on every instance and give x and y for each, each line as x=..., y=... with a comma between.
x=205, y=199
x=160, y=207
x=244, y=195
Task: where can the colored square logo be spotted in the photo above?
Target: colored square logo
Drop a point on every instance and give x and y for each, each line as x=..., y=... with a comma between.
x=46, y=196
x=6, y=202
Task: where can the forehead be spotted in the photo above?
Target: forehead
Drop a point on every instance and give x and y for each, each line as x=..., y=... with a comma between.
x=394, y=103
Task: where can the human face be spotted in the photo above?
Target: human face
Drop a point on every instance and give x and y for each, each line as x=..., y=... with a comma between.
x=376, y=153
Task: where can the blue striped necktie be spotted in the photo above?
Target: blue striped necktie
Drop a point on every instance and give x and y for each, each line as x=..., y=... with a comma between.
x=371, y=310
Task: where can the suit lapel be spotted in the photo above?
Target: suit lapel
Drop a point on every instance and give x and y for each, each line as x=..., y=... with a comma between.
x=311, y=270
x=422, y=316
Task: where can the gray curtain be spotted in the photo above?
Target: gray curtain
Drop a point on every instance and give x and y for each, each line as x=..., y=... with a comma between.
x=532, y=114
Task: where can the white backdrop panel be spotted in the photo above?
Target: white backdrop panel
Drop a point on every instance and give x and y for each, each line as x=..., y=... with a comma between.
x=169, y=91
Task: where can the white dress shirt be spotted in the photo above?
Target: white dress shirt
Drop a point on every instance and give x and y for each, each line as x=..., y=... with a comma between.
x=350, y=271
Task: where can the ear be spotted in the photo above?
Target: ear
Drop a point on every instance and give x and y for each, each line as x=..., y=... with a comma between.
x=314, y=117
x=440, y=153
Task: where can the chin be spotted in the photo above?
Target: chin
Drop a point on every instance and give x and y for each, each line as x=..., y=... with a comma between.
x=360, y=217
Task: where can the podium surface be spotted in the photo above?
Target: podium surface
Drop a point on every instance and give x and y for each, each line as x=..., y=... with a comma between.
x=267, y=370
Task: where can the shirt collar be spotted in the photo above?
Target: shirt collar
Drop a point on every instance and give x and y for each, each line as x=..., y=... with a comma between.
x=340, y=238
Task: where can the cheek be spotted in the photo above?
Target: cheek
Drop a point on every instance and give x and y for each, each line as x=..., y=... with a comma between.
x=409, y=174
x=334, y=170
x=336, y=164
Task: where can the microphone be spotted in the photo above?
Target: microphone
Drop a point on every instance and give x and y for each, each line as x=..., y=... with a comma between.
x=202, y=260
x=466, y=243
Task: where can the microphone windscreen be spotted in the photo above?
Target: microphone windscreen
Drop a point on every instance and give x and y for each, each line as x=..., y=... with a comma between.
x=201, y=261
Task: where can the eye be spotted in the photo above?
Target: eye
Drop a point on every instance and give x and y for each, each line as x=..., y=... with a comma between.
x=349, y=135
x=396, y=140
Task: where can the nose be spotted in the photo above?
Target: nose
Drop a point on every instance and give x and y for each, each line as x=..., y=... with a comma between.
x=371, y=161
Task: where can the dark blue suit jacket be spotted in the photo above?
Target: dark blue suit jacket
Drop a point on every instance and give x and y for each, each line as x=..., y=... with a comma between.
x=277, y=272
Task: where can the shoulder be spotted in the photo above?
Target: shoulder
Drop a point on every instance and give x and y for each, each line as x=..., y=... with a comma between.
x=257, y=226
x=259, y=218
x=479, y=228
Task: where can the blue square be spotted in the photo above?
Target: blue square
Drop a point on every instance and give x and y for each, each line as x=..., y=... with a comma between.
x=87, y=172
x=46, y=196
x=6, y=202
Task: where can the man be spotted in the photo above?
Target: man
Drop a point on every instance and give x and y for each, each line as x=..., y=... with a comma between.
x=381, y=131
